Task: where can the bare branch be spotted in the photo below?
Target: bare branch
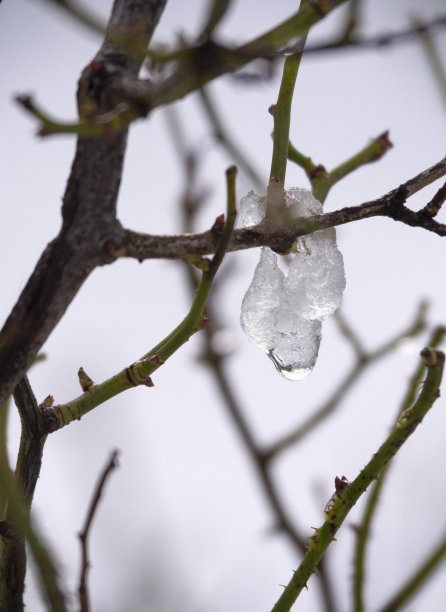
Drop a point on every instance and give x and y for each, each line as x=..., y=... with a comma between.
x=89, y=204
x=147, y=246
x=381, y=40
x=83, y=536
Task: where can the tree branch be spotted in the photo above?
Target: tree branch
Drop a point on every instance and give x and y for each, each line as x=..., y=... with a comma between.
x=364, y=361
x=195, y=66
x=147, y=246
x=322, y=181
x=138, y=373
x=83, y=536
x=18, y=489
x=381, y=40
x=89, y=204
x=418, y=579
x=347, y=494
x=363, y=529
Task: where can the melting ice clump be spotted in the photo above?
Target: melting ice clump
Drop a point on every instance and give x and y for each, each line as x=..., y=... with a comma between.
x=282, y=312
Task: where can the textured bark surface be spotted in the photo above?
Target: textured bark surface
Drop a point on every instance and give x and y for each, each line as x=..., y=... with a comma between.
x=89, y=205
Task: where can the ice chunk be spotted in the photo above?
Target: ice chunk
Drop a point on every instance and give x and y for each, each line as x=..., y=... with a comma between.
x=252, y=209
x=282, y=313
x=316, y=279
x=271, y=320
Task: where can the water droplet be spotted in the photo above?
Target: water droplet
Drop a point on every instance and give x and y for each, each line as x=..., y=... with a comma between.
x=294, y=371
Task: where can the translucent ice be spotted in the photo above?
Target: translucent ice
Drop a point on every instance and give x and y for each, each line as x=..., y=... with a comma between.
x=282, y=313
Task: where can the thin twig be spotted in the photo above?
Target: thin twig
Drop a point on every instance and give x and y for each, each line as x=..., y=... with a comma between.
x=216, y=363
x=433, y=207
x=139, y=372
x=381, y=40
x=221, y=134
x=346, y=496
x=435, y=61
x=329, y=406
x=216, y=12
x=282, y=115
x=350, y=334
x=196, y=66
x=418, y=579
x=363, y=529
x=322, y=180
x=85, y=17
x=83, y=535
x=148, y=246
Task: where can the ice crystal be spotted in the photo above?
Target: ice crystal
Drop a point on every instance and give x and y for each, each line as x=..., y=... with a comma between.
x=282, y=312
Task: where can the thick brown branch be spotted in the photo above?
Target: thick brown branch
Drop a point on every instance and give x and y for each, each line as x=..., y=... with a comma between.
x=89, y=208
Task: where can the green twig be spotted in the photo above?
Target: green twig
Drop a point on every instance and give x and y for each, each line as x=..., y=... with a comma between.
x=282, y=113
x=433, y=57
x=418, y=578
x=302, y=160
x=347, y=495
x=296, y=25
x=101, y=125
x=140, y=371
x=216, y=12
x=322, y=180
x=363, y=529
x=363, y=362
x=352, y=21
x=197, y=65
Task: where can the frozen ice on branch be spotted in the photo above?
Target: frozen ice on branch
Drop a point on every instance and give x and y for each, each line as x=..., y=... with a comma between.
x=282, y=312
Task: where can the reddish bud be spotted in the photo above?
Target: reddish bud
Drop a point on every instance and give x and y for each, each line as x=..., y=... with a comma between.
x=317, y=171
x=341, y=484
x=220, y=220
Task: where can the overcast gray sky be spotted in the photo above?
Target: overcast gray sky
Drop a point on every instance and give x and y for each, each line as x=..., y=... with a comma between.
x=185, y=502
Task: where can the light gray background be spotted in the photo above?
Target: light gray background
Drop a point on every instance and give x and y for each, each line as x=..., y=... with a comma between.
x=184, y=525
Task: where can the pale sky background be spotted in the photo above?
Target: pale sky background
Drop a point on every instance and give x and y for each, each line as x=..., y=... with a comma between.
x=185, y=507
